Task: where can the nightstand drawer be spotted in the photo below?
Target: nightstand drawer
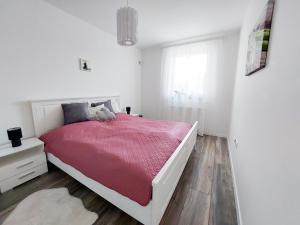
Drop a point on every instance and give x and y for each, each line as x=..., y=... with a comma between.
x=22, y=165
x=27, y=175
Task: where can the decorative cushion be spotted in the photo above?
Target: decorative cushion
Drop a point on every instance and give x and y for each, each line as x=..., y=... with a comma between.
x=107, y=104
x=93, y=110
x=75, y=112
x=101, y=113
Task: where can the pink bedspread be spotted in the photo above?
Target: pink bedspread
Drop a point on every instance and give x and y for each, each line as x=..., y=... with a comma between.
x=124, y=154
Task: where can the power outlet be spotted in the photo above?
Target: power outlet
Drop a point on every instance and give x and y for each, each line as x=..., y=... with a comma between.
x=236, y=143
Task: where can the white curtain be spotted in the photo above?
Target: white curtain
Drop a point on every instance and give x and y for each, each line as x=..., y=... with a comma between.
x=188, y=81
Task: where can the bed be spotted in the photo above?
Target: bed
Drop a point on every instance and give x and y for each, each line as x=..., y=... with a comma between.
x=148, y=207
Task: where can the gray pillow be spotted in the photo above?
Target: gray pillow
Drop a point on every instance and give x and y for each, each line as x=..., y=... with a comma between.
x=107, y=104
x=75, y=112
x=102, y=114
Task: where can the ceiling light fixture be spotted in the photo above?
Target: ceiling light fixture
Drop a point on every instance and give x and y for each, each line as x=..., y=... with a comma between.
x=127, y=20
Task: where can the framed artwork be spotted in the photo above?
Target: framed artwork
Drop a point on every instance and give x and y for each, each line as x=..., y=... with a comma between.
x=259, y=39
x=84, y=65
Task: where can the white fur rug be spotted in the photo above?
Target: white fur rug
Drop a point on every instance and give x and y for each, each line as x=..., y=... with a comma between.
x=51, y=207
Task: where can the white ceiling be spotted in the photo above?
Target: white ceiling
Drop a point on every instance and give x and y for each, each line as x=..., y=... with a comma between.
x=161, y=21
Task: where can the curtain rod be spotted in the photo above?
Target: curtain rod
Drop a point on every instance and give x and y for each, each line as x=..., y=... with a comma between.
x=199, y=38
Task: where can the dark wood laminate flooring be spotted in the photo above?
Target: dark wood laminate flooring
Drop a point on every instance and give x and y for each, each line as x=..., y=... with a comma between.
x=204, y=194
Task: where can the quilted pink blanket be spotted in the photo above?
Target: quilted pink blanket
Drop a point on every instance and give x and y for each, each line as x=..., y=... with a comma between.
x=124, y=154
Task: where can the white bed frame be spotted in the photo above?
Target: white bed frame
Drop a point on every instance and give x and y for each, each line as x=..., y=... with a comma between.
x=48, y=115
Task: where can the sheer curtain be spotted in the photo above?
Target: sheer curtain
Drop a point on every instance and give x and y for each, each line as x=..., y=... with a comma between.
x=188, y=81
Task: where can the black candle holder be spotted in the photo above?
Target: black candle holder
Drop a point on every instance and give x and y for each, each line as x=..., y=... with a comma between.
x=15, y=135
x=128, y=109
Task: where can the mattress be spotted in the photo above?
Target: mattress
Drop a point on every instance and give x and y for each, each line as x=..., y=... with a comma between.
x=124, y=154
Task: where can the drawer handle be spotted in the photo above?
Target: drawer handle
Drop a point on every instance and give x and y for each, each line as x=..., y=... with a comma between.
x=26, y=175
x=25, y=164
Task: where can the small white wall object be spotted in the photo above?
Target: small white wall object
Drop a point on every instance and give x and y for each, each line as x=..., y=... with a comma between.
x=84, y=65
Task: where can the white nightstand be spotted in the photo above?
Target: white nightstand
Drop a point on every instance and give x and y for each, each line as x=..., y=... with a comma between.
x=21, y=164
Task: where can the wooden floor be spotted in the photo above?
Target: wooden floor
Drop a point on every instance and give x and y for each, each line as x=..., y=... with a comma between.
x=204, y=195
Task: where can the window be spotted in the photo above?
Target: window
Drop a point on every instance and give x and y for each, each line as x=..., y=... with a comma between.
x=184, y=71
x=189, y=74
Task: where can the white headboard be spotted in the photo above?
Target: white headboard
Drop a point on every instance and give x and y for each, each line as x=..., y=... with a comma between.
x=48, y=114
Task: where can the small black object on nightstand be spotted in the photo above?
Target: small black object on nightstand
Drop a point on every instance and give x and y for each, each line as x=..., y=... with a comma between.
x=15, y=135
x=128, y=109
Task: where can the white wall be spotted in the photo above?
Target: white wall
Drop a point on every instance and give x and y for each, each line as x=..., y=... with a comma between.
x=218, y=113
x=266, y=122
x=39, y=48
x=151, y=68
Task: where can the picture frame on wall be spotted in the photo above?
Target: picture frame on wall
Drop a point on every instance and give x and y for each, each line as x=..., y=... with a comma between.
x=84, y=65
x=259, y=40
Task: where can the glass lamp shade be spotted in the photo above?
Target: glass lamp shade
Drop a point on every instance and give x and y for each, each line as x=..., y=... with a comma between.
x=127, y=21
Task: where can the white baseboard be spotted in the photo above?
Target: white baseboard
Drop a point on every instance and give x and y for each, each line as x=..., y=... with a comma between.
x=236, y=195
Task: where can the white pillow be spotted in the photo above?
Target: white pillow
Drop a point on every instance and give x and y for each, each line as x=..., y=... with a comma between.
x=101, y=113
x=93, y=110
x=115, y=106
